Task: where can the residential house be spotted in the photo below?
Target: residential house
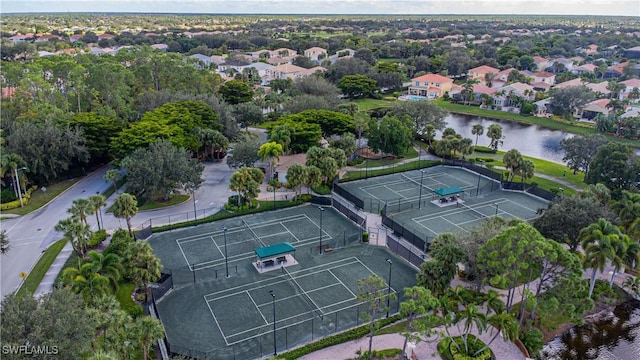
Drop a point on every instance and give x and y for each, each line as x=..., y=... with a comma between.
x=342, y=54
x=592, y=109
x=431, y=86
x=544, y=77
x=278, y=60
x=289, y=71
x=615, y=71
x=259, y=66
x=21, y=38
x=206, y=60
x=75, y=37
x=633, y=52
x=570, y=83
x=47, y=37
x=160, y=47
x=508, y=97
x=541, y=63
x=106, y=36
x=631, y=86
x=560, y=65
x=585, y=69
x=478, y=91
x=8, y=92
x=599, y=88
x=543, y=107
x=316, y=53
x=479, y=73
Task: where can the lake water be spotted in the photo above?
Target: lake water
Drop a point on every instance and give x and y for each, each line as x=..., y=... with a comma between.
x=615, y=337
x=530, y=140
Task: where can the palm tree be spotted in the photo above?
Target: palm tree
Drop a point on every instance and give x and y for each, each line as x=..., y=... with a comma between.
x=526, y=169
x=488, y=78
x=467, y=90
x=282, y=136
x=147, y=330
x=108, y=265
x=598, y=243
x=212, y=140
x=477, y=130
x=86, y=282
x=627, y=209
x=504, y=323
x=4, y=242
x=97, y=202
x=512, y=160
x=142, y=265
x=619, y=245
x=270, y=151
x=126, y=206
x=113, y=176
x=80, y=208
x=615, y=87
x=77, y=232
x=13, y=162
x=470, y=316
x=429, y=133
x=102, y=355
x=495, y=134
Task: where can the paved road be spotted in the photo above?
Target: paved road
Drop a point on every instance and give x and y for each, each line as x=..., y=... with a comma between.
x=31, y=234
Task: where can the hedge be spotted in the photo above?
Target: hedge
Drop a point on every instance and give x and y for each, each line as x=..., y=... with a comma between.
x=16, y=203
x=351, y=334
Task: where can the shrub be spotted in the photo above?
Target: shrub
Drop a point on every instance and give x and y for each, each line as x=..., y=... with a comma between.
x=7, y=195
x=97, y=238
x=355, y=161
x=532, y=340
x=484, y=149
x=448, y=350
x=322, y=190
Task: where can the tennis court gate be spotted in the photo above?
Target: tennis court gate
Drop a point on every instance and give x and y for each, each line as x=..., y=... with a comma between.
x=350, y=211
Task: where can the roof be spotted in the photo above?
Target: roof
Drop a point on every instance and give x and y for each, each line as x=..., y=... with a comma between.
x=316, y=48
x=274, y=250
x=451, y=190
x=600, y=87
x=432, y=78
x=484, y=69
x=632, y=83
x=574, y=82
x=288, y=68
x=539, y=59
x=635, y=48
x=541, y=85
x=603, y=103
x=586, y=67
x=544, y=74
x=520, y=87
x=483, y=89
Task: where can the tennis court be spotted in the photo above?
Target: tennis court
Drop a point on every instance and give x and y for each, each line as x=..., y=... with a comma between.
x=232, y=318
x=409, y=187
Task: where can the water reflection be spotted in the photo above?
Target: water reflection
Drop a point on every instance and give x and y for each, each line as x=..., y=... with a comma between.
x=530, y=140
x=615, y=337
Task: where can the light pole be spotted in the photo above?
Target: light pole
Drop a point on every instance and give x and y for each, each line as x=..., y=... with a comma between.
x=389, y=287
x=478, y=187
x=496, y=205
x=195, y=213
x=18, y=185
x=420, y=197
x=226, y=261
x=321, y=211
x=100, y=214
x=273, y=297
x=275, y=183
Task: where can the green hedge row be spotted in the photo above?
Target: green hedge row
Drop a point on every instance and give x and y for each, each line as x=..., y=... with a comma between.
x=413, y=165
x=336, y=339
x=264, y=205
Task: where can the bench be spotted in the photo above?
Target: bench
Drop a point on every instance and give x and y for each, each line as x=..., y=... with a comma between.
x=444, y=200
x=281, y=259
x=268, y=263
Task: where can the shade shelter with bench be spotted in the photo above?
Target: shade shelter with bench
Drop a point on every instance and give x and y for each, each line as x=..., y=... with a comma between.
x=448, y=195
x=269, y=257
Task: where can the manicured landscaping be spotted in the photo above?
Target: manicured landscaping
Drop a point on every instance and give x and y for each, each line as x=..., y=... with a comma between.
x=33, y=280
x=411, y=153
x=40, y=198
x=413, y=165
x=554, y=123
x=366, y=104
x=123, y=295
x=173, y=200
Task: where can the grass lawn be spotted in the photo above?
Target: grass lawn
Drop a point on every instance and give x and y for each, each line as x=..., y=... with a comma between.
x=123, y=295
x=31, y=283
x=152, y=205
x=551, y=123
x=411, y=153
x=366, y=104
x=39, y=198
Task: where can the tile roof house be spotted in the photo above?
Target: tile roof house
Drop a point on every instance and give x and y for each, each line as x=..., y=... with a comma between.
x=592, y=109
x=161, y=47
x=316, y=53
x=431, y=86
x=573, y=82
x=584, y=69
x=75, y=37
x=600, y=87
x=289, y=71
x=480, y=72
x=541, y=63
x=544, y=77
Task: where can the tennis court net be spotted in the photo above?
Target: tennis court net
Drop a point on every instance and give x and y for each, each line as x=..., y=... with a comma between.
x=306, y=297
x=253, y=233
x=481, y=215
x=416, y=183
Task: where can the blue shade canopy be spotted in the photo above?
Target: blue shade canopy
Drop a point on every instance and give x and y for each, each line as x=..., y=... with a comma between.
x=274, y=250
x=451, y=190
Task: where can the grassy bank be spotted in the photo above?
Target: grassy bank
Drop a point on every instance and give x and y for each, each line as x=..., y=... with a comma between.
x=31, y=283
x=40, y=198
x=550, y=123
x=366, y=104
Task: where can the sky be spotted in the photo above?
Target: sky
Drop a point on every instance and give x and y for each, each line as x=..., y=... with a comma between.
x=418, y=7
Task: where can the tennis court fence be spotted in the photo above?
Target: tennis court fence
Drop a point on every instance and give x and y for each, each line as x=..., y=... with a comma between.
x=420, y=242
x=261, y=344
x=403, y=249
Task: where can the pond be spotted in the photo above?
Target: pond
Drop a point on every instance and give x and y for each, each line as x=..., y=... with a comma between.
x=614, y=337
x=530, y=140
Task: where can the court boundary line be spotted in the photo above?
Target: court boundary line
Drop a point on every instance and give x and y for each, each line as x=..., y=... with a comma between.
x=257, y=307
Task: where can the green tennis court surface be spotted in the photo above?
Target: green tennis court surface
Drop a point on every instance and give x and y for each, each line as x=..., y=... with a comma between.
x=232, y=318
